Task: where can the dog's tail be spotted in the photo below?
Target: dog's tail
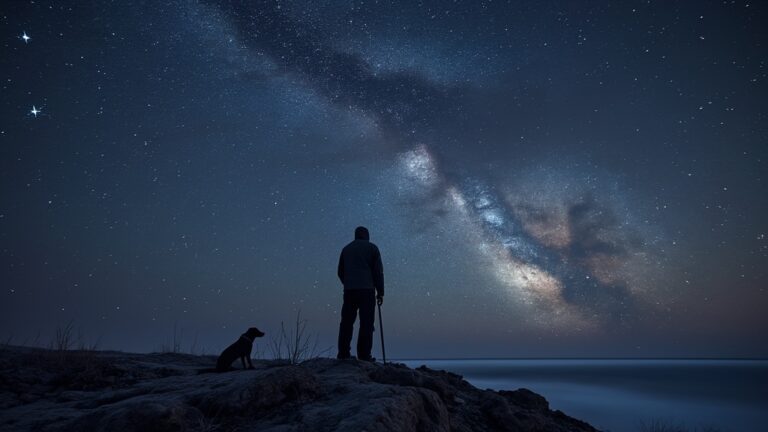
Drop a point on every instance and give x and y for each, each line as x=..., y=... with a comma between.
x=207, y=370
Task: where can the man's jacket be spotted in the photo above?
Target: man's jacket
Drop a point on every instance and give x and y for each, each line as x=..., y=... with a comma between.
x=360, y=266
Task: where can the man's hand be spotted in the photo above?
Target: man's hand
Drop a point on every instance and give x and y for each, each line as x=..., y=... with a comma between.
x=380, y=300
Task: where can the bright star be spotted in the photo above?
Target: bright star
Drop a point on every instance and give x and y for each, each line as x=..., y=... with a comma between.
x=25, y=37
x=35, y=111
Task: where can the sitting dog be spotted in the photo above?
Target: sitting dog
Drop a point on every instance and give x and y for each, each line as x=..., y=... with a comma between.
x=241, y=348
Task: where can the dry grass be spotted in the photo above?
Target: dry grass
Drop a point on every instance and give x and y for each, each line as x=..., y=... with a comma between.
x=295, y=344
x=174, y=346
x=65, y=339
x=70, y=361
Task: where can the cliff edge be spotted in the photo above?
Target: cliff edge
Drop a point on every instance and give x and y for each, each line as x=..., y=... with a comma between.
x=113, y=391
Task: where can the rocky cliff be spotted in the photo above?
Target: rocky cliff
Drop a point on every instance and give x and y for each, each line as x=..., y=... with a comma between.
x=111, y=391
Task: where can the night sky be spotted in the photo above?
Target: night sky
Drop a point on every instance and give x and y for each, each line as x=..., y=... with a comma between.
x=543, y=178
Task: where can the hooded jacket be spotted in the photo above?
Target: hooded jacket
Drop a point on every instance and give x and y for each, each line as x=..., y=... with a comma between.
x=360, y=265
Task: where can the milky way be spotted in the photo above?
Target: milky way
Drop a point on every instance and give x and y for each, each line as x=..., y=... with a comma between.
x=567, y=259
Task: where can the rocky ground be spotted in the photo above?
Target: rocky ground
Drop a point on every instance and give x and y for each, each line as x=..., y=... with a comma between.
x=113, y=391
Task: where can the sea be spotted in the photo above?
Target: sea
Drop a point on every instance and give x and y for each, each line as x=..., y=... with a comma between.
x=634, y=395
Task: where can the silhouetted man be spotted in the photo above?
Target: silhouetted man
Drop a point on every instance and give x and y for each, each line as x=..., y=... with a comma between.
x=362, y=274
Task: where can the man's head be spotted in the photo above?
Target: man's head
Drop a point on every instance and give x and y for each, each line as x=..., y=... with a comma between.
x=361, y=233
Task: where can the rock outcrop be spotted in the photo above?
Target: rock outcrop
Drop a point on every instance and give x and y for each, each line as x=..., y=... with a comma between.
x=110, y=391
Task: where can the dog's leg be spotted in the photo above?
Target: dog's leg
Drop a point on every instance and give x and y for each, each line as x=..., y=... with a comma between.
x=242, y=359
x=250, y=363
x=248, y=354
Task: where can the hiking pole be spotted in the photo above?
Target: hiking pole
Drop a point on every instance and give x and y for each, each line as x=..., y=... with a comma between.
x=381, y=331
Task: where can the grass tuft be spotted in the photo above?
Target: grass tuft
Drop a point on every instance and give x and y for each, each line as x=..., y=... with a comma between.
x=295, y=344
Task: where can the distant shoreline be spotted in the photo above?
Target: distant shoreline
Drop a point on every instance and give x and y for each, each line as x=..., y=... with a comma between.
x=587, y=358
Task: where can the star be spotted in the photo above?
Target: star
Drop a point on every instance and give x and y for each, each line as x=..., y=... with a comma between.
x=25, y=37
x=34, y=111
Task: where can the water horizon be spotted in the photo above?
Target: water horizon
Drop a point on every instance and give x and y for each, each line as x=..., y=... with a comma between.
x=401, y=359
x=621, y=394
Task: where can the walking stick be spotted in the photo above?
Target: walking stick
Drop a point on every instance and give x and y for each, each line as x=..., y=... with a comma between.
x=381, y=331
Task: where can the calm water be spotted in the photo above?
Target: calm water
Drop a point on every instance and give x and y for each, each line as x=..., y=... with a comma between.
x=617, y=395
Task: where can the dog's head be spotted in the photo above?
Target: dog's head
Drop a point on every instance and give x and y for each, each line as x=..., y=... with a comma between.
x=253, y=333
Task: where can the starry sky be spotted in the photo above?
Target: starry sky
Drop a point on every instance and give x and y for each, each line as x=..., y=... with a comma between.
x=543, y=178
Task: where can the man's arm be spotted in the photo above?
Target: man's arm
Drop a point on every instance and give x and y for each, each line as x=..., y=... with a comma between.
x=378, y=274
x=340, y=271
